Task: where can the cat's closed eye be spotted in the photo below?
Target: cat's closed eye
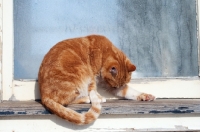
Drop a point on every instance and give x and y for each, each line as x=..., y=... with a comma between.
x=113, y=71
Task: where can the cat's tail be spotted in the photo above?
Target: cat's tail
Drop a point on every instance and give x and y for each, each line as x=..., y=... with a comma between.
x=73, y=116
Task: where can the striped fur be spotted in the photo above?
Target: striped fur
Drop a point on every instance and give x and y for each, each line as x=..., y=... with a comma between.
x=68, y=75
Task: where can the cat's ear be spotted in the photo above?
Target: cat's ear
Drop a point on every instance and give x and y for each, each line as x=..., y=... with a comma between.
x=131, y=67
x=113, y=71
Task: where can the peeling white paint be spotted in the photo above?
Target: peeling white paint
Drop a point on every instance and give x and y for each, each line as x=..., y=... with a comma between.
x=7, y=49
x=1, y=37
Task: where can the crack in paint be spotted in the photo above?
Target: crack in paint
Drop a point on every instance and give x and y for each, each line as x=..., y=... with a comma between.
x=176, y=111
x=7, y=113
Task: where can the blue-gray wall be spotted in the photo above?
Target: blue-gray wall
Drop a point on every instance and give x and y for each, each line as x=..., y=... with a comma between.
x=159, y=36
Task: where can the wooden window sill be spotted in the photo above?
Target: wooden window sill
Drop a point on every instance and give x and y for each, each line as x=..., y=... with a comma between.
x=159, y=106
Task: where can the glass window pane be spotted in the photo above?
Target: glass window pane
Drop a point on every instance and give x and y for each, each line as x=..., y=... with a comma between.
x=159, y=36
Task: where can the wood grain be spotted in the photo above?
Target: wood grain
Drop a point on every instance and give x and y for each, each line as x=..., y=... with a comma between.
x=160, y=106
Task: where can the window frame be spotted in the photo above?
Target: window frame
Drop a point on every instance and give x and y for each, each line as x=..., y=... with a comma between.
x=178, y=87
x=1, y=24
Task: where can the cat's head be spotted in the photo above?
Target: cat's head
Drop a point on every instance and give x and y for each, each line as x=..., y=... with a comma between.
x=116, y=71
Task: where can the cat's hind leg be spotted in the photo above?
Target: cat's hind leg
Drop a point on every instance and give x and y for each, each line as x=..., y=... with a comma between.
x=82, y=100
x=92, y=86
x=103, y=99
x=86, y=99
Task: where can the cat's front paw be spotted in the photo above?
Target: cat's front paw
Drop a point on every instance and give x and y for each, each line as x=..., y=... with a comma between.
x=146, y=97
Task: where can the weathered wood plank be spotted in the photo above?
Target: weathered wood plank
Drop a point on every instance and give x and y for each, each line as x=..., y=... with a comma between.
x=160, y=106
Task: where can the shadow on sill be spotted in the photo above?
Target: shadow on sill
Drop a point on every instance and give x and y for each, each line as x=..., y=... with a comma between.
x=159, y=106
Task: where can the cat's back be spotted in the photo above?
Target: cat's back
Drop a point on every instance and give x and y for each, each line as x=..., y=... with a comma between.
x=69, y=49
x=72, y=55
x=74, y=50
x=67, y=59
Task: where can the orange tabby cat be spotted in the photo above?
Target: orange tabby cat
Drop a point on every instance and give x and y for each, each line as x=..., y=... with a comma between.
x=69, y=72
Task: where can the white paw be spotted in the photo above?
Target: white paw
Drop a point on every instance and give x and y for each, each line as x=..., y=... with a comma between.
x=103, y=100
x=94, y=98
x=87, y=101
x=146, y=97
